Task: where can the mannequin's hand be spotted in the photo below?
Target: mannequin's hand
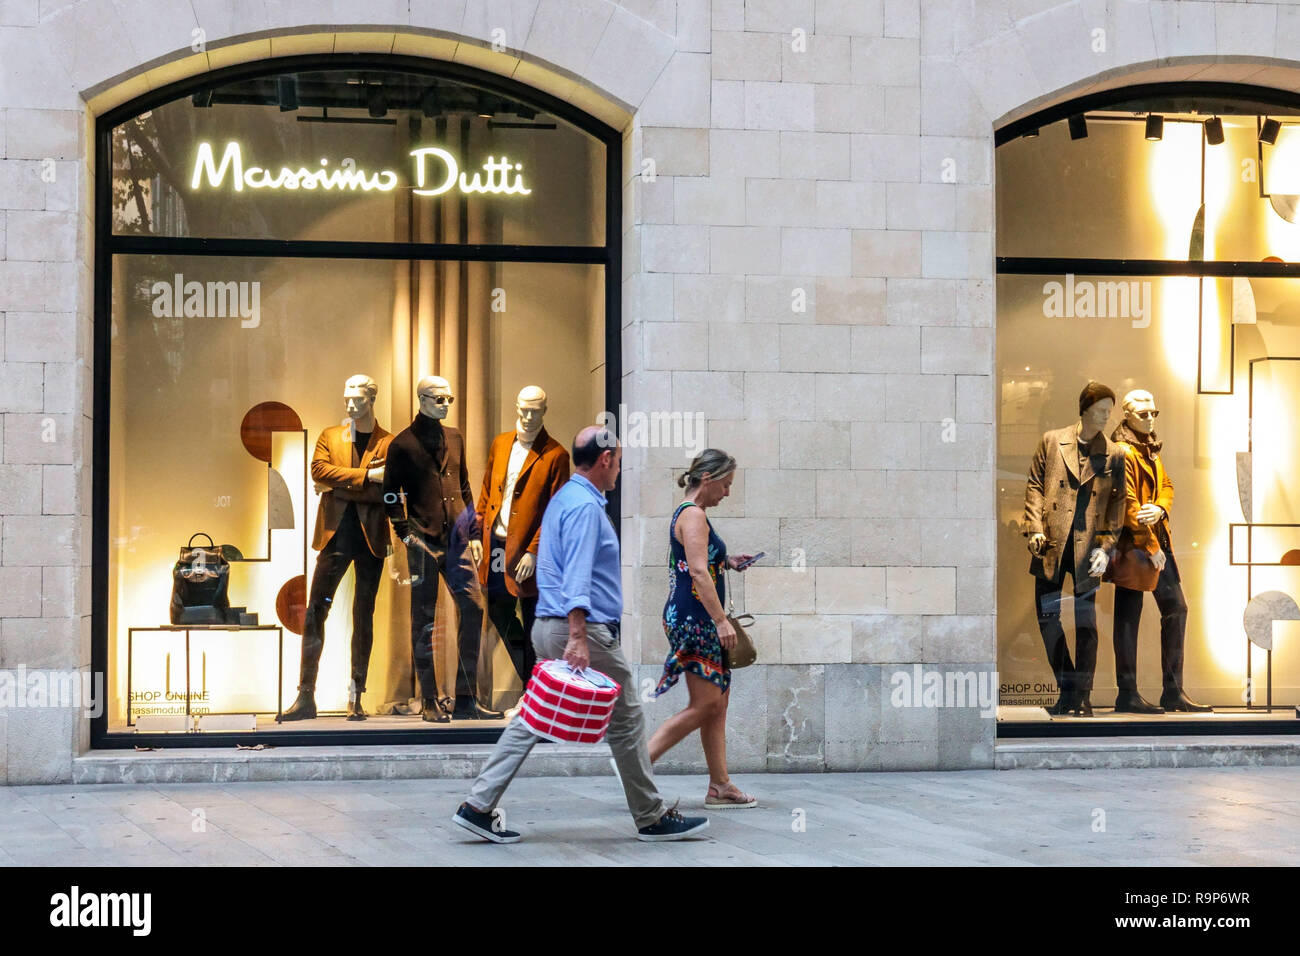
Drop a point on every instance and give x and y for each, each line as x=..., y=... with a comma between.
x=1097, y=563
x=375, y=474
x=476, y=550
x=1150, y=514
x=524, y=569
x=1158, y=559
x=1037, y=544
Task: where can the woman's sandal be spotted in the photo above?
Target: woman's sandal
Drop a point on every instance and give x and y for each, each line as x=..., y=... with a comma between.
x=728, y=797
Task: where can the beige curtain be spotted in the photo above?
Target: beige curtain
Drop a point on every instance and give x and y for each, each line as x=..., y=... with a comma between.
x=441, y=327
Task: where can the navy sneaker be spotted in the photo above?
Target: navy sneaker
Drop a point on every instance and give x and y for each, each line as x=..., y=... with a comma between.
x=672, y=826
x=483, y=825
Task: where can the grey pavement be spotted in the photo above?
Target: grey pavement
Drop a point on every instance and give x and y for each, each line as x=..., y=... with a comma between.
x=1193, y=817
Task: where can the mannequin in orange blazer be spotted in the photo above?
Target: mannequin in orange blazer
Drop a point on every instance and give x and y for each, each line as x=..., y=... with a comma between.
x=1144, y=561
x=351, y=529
x=506, y=567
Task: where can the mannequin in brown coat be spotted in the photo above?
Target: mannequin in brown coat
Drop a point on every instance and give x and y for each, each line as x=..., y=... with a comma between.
x=1073, y=507
x=351, y=529
x=1144, y=561
x=525, y=468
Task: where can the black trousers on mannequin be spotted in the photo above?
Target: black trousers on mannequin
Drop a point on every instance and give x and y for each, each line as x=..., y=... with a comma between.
x=1173, y=627
x=347, y=546
x=1070, y=675
x=429, y=560
x=504, y=610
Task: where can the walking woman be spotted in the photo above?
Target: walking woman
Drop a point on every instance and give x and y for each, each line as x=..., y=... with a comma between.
x=697, y=627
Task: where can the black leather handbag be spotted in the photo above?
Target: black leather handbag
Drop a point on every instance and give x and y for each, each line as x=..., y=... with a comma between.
x=200, y=584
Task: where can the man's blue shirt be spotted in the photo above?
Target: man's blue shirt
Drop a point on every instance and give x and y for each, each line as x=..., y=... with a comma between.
x=577, y=557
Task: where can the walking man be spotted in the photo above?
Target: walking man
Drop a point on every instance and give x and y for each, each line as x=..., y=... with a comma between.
x=580, y=605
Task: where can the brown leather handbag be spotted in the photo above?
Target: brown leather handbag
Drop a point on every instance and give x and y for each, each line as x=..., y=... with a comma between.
x=744, y=653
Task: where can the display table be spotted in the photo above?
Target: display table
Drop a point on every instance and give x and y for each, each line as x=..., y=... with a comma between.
x=187, y=629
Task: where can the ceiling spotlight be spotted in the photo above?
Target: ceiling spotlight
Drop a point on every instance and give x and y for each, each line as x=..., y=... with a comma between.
x=1078, y=126
x=376, y=102
x=1214, y=131
x=1268, y=133
x=1031, y=133
x=286, y=89
x=1155, y=127
x=429, y=103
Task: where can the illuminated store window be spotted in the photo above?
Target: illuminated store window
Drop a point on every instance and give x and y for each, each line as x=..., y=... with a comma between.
x=321, y=290
x=1147, y=250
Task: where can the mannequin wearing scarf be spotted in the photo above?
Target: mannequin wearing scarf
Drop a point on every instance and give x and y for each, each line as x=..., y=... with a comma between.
x=1144, y=561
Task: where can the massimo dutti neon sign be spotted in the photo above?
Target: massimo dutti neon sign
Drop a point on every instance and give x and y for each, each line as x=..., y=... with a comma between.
x=436, y=171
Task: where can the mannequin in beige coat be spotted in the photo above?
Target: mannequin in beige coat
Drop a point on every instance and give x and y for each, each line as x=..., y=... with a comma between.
x=1074, y=501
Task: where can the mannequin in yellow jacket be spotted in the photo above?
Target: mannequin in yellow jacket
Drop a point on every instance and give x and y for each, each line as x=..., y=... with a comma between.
x=1144, y=561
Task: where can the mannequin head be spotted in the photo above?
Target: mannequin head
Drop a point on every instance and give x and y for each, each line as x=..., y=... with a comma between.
x=530, y=409
x=359, y=393
x=1096, y=402
x=435, y=396
x=1140, y=411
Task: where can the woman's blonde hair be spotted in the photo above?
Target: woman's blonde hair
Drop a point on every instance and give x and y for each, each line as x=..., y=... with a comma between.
x=714, y=462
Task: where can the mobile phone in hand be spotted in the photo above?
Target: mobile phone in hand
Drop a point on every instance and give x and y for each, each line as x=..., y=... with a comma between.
x=745, y=564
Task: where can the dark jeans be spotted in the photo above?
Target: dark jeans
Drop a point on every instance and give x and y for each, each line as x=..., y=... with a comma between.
x=1173, y=627
x=1077, y=675
x=428, y=560
x=347, y=546
x=504, y=610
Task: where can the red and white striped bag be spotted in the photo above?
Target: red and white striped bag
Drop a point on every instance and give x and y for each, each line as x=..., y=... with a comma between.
x=566, y=705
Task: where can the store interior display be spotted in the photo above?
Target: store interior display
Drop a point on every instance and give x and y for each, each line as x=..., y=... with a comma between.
x=219, y=370
x=1181, y=279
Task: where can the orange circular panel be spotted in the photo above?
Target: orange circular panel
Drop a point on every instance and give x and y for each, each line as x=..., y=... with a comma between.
x=291, y=603
x=1291, y=558
x=262, y=419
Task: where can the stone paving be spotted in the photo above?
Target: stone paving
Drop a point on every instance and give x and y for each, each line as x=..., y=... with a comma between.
x=1193, y=817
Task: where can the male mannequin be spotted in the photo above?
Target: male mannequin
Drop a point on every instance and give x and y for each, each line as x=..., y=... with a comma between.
x=426, y=487
x=348, y=467
x=525, y=467
x=1073, y=503
x=1144, y=561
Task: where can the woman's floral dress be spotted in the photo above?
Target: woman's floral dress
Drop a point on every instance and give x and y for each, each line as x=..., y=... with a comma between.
x=691, y=633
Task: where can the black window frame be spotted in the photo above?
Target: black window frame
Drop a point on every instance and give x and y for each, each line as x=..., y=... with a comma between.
x=608, y=255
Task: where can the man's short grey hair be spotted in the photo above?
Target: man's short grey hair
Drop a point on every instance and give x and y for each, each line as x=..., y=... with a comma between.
x=365, y=383
x=1133, y=396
